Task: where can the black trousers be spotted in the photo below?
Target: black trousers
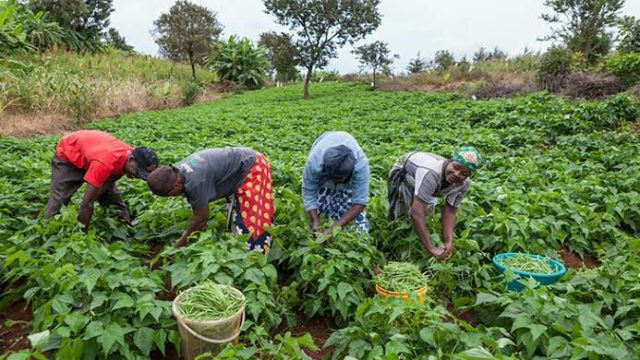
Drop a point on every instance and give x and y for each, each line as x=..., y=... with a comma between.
x=66, y=179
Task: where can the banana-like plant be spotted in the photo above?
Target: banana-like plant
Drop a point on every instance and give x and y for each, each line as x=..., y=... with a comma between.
x=239, y=61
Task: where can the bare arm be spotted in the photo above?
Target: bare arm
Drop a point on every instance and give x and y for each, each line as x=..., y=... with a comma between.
x=353, y=211
x=351, y=214
x=418, y=212
x=198, y=221
x=85, y=212
x=315, y=219
x=448, y=220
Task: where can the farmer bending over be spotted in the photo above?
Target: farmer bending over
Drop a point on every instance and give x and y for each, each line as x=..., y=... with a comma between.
x=99, y=160
x=213, y=174
x=336, y=182
x=416, y=181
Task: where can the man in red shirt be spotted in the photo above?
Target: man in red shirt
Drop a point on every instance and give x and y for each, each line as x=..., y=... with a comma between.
x=99, y=160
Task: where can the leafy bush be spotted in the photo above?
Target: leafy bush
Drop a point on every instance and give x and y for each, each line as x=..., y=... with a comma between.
x=90, y=298
x=555, y=66
x=333, y=275
x=239, y=61
x=384, y=328
x=190, y=93
x=624, y=66
x=325, y=75
x=225, y=261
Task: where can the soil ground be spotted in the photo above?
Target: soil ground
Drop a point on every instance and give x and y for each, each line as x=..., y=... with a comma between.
x=574, y=261
x=15, y=325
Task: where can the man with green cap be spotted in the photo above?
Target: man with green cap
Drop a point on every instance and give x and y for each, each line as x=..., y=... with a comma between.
x=418, y=179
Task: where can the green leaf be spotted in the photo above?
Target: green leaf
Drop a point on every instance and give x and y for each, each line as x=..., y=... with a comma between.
x=39, y=339
x=122, y=301
x=112, y=334
x=71, y=349
x=427, y=335
x=482, y=298
x=90, y=278
x=160, y=338
x=522, y=321
x=61, y=303
x=98, y=300
x=143, y=338
x=477, y=353
x=343, y=290
x=76, y=321
x=254, y=275
x=537, y=330
x=94, y=329
x=396, y=347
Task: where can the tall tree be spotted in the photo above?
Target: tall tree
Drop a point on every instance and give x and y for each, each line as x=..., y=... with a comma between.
x=115, y=40
x=584, y=24
x=417, y=65
x=376, y=56
x=282, y=55
x=323, y=26
x=90, y=18
x=629, y=29
x=187, y=33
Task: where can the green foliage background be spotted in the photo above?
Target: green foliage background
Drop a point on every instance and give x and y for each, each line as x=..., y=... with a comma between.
x=556, y=172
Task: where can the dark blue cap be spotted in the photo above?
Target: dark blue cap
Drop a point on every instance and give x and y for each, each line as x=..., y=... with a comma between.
x=144, y=157
x=339, y=162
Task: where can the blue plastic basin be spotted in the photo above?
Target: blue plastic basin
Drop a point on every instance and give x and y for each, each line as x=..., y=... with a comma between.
x=544, y=279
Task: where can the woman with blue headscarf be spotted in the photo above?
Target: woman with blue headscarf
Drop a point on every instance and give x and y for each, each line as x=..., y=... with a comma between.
x=336, y=182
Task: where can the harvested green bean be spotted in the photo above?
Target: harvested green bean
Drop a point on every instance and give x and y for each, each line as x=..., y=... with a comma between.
x=209, y=301
x=401, y=277
x=529, y=264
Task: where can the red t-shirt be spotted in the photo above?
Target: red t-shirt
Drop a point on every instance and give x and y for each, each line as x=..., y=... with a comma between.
x=101, y=154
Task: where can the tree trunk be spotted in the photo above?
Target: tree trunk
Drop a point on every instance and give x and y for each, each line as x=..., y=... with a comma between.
x=374, y=78
x=191, y=61
x=307, y=79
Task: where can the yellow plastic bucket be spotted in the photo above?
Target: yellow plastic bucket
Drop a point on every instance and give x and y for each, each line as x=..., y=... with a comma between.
x=199, y=337
x=406, y=297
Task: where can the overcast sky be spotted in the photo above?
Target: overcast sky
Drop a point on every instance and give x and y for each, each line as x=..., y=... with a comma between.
x=408, y=26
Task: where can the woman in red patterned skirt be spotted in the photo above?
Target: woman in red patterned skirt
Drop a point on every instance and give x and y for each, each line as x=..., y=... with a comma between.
x=211, y=174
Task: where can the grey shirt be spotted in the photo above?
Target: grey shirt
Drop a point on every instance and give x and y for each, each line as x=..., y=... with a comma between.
x=425, y=175
x=214, y=173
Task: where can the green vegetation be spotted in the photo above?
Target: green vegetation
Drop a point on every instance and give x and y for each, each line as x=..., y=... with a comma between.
x=557, y=172
x=188, y=33
x=239, y=61
x=401, y=277
x=79, y=88
x=523, y=262
x=209, y=301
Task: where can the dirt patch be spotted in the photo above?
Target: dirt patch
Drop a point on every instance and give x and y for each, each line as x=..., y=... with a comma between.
x=318, y=327
x=574, y=261
x=15, y=325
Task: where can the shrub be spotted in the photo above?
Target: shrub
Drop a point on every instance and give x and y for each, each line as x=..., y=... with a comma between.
x=190, y=93
x=554, y=68
x=324, y=75
x=240, y=62
x=626, y=67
